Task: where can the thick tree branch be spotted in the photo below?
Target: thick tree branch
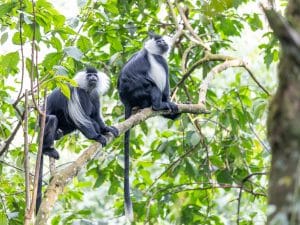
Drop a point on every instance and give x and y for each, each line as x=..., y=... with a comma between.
x=207, y=58
x=282, y=29
x=219, y=68
x=62, y=177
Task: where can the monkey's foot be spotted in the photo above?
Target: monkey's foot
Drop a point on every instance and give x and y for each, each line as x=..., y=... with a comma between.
x=112, y=130
x=101, y=139
x=173, y=107
x=51, y=152
x=59, y=134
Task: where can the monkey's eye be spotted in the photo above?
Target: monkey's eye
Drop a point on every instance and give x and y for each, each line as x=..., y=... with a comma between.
x=160, y=41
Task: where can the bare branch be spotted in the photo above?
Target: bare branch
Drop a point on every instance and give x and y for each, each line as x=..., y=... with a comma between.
x=241, y=191
x=26, y=155
x=208, y=57
x=191, y=30
x=33, y=59
x=22, y=51
x=38, y=170
x=212, y=73
x=254, y=79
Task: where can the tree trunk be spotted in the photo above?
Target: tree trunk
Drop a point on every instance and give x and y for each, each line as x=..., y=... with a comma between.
x=284, y=121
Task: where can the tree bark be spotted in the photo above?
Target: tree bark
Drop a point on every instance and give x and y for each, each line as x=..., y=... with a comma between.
x=284, y=121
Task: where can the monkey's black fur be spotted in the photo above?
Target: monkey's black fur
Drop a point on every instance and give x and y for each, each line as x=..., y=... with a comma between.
x=81, y=112
x=144, y=82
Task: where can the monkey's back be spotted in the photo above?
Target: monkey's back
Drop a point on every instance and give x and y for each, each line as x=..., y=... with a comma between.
x=134, y=84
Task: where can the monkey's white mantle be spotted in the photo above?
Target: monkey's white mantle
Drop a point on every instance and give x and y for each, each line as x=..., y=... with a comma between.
x=62, y=177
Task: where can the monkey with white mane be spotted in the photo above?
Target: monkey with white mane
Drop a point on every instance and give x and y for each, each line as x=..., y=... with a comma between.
x=144, y=82
x=80, y=112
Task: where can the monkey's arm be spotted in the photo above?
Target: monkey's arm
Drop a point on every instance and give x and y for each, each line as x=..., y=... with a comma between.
x=100, y=123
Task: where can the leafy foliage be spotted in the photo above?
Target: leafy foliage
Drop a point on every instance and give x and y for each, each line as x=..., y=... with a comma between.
x=189, y=171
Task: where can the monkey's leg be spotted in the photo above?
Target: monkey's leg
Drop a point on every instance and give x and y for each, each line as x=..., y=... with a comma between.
x=49, y=136
x=158, y=104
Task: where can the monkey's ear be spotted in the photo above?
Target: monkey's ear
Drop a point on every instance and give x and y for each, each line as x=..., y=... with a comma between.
x=151, y=34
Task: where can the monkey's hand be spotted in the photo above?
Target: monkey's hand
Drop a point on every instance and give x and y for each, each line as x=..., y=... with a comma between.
x=111, y=129
x=101, y=139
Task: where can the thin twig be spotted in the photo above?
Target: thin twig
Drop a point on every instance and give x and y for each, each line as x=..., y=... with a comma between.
x=241, y=191
x=8, y=141
x=180, y=158
x=32, y=69
x=22, y=52
x=26, y=154
x=255, y=80
x=38, y=161
x=189, y=27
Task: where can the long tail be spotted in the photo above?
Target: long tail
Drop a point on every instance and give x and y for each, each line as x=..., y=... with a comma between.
x=39, y=190
x=128, y=203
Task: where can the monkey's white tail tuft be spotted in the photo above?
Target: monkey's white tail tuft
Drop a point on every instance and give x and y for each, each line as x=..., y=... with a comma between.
x=129, y=212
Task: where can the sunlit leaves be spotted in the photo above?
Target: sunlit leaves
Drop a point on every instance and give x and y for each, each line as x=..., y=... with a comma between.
x=229, y=26
x=52, y=59
x=3, y=219
x=270, y=49
x=254, y=21
x=84, y=44
x=6, y=8
x=9, y=63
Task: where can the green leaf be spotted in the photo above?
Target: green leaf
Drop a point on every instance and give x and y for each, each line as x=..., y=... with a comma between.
x=4, y=37
x=3, y=218
x=52, y=59
x=100, y=180
x=6, y=8
x=115, y=43
x=229, y=26
x=73, y=52
x=114, y=185
x=9, y=63
x=55, y=220
x=65, y=89
x=16, y=38
x=167, y=133
x=84, y=44
x=254, y=22
x=111, y=7
x=56, y=43
x=224, y=177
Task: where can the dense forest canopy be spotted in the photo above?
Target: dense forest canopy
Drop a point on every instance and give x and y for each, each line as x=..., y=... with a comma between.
x=203, y=168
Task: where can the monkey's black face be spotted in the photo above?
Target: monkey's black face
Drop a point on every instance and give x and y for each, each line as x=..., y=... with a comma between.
x=92, y=79
x=161, y=43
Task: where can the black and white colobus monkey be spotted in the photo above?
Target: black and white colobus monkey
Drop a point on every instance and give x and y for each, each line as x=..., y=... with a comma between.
x=144, y=82
x=81, y=112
